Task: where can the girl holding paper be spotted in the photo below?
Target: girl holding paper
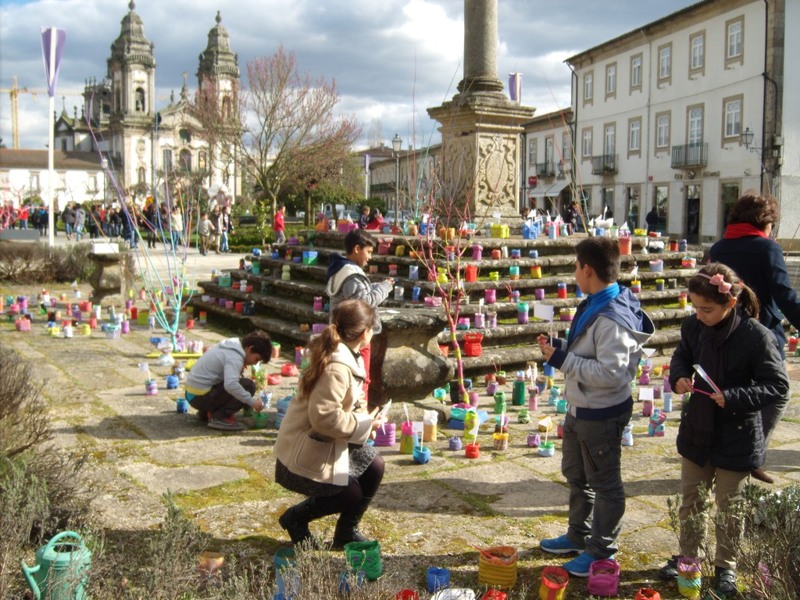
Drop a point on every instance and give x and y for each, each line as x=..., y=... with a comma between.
x=321, y=450
x=730, y=365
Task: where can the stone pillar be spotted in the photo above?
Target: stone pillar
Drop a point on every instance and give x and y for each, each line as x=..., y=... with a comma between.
x=481, y=129
x=480, y=47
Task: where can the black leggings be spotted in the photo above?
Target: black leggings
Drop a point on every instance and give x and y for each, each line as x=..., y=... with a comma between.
x=351, y=497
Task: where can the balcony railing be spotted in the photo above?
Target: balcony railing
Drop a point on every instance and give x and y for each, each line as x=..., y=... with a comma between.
x=546, y=169
x=689, y=155
x=604, y=164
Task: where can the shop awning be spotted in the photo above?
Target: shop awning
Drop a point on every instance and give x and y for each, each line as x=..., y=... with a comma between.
x=537, y=192
x=555, y=189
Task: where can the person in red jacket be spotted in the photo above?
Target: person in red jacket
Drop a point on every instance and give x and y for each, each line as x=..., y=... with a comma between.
x=278, y=226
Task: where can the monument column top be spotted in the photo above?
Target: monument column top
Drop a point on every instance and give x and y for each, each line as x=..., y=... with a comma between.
x=480, y=47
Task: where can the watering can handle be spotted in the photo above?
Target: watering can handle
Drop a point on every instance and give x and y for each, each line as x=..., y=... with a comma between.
x=64, y=534
x=28, y=573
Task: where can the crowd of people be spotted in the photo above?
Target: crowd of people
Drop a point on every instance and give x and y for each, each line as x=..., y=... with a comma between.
x=152, y=222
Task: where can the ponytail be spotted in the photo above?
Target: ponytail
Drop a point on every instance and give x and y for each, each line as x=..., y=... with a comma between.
x=321, y=348
x=349, y=320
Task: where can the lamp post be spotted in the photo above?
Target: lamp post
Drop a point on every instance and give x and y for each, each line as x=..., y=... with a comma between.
x=397, y=143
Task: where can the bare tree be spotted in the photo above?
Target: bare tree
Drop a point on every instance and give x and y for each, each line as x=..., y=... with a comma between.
x=287, y=132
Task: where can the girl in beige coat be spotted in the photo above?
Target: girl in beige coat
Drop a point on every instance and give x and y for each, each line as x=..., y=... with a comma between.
x=321, y=450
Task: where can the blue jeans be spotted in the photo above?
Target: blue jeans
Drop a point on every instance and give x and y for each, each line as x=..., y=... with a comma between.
x=591, y=457
x=223, y=242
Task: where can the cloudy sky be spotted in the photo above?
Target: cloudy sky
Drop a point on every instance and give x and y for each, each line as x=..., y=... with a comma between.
x=390, y=59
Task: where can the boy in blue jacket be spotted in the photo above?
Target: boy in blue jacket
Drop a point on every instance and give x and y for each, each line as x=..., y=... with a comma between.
x=599, y=361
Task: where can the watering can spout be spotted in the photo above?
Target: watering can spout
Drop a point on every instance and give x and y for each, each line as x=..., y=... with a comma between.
x=29, y=572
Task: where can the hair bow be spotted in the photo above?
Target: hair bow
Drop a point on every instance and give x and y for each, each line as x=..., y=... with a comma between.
x=723, y=287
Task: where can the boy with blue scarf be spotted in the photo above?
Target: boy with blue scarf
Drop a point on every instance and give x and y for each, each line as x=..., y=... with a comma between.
x=599, y=360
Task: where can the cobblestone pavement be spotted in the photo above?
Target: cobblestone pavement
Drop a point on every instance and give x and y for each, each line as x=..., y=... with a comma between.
x=139, y=447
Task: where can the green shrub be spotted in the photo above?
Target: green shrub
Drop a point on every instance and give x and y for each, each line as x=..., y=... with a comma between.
x=41, y=489
x=33, y=263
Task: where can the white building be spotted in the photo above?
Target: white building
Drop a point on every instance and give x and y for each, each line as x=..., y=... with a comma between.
x=141, y=144
x=547, y=161
x=661, y=115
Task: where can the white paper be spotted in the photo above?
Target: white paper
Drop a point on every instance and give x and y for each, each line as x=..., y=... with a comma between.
x=646, y=393
x=544, y=311
x=417, y=427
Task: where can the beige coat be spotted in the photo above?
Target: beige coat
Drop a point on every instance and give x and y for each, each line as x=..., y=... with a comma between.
x=314, y=434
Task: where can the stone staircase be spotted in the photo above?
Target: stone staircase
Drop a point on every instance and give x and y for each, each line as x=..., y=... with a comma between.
x=284, y=307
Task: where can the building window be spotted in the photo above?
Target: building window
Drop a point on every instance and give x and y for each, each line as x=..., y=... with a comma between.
x=33, y=182
x=202, y=160
x=185, y=135
x=588, y=88
x=586, y=146
x=734, y=41
x=662, y=130
x=566, y=148
x=610, y=140
x=167, y=159
x=665, y=64
x=694, y=136
x=697, y=60
x=636, y=72
x=634, y=136
x=732, y=115
x=186, y=160
x=611, y=80
x=532, y=153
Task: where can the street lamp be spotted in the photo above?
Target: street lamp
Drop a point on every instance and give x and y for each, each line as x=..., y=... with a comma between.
x=747, y=139
x=397, y=143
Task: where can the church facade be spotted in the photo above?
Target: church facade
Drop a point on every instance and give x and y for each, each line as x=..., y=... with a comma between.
x=144, y=147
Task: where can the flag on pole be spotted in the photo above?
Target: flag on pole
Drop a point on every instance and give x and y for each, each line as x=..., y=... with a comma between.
x=52, y=47
x=515, y=87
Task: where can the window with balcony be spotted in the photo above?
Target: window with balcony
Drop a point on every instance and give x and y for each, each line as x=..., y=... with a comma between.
x=636, y=72
x=734, y=41
x=662, y=130
x=532, y=153
x=732, y=119
x=611, y=80
x=588, y=88
x=695, y=152
x=697, y=54
x=586, y=143
x=634, y=136
x=665, y=64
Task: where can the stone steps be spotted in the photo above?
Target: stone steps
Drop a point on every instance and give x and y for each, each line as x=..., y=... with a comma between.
x=284, y=306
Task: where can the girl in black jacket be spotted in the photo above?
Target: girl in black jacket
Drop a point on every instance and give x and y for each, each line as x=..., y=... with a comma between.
x=720, y=438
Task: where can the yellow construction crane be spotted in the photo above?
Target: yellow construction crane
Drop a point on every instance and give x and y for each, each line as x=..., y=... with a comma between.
x=13, y=94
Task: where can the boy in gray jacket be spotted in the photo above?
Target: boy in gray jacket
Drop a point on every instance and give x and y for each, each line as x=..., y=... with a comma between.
x=347, y=280
x=215, y=386
x=599, y=361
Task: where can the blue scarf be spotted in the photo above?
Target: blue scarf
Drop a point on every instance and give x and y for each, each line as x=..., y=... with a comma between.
x=593, y=304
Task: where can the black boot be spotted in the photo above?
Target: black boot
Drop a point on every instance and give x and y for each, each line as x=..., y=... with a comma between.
x=346, y=527
x=296, y=519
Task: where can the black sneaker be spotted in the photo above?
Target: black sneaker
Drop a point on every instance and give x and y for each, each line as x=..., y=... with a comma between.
x=724, y=585
x=670, y=570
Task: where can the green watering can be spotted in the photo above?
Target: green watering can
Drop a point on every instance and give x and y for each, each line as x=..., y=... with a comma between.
x=62, y=567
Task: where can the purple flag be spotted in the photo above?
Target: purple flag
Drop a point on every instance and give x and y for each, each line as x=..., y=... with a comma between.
x=515, y=87
x=52, y=47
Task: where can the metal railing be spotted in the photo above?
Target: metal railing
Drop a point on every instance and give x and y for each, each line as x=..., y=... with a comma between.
x=689, y=155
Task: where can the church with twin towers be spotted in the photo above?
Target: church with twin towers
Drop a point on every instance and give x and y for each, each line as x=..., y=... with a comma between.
x=143, y=144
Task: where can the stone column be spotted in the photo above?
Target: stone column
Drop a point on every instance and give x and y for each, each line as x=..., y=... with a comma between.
x=480, y=47
x=481, y=130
